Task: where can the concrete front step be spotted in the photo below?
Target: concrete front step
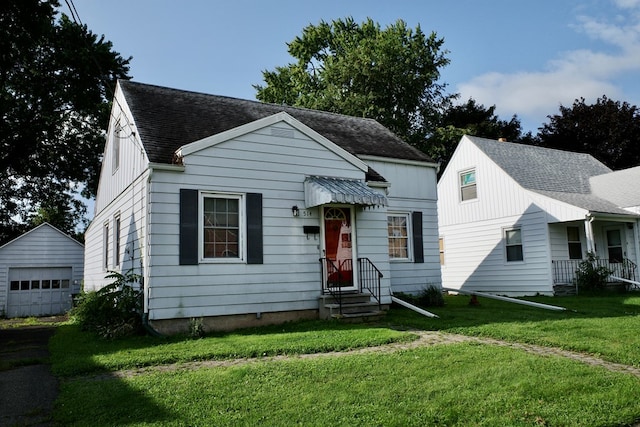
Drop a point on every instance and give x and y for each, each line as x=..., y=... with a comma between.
x=355, y=306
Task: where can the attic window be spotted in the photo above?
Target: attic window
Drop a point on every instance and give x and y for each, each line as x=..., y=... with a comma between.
x=116, y=147
x=468, y=189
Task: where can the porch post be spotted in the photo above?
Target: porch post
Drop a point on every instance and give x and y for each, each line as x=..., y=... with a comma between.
x=636, y=241
x=588, y=229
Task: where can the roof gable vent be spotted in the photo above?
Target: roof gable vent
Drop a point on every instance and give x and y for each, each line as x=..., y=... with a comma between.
x=282, y=133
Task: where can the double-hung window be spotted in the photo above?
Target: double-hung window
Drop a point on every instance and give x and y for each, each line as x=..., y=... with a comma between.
x=221, y=226
x=105, y=245
x=398, y=234
x=513, y=244
x=468, y=190
x=573, y=239
x=115, y=154
x=116, y=240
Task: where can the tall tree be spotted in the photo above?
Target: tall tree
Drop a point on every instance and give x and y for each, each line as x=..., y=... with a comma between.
x=390, y=75
x=608, y=130
x=473, y=119
x=56, y=81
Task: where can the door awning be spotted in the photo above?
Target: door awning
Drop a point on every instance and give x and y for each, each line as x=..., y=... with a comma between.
x=322, y=190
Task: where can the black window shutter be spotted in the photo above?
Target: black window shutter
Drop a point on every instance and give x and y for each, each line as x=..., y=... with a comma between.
x=188, y=251
x=254, y=228
x=418, y=250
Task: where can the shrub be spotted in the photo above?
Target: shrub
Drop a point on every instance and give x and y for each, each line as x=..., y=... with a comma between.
x=113, y=311
x=590, y=275
x=431, y=296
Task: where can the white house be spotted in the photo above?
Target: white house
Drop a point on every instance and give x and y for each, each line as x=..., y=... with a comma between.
x=244, y=213
x=39, y=271
x=517, y=219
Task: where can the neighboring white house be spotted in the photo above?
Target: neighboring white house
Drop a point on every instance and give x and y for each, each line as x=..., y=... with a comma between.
x=244, y=213
x=39, y=271
x=517, y=219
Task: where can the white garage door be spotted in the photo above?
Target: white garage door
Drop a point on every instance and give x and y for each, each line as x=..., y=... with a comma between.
x=39, y=291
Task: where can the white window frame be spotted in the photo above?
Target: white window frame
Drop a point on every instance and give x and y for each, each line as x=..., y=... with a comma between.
x=574, y=242
x=441, y=249
x=461, y=186
x=241, y=227
x=105, y=245
x=115, y=148
x=506, y=244
x=116, y=240
x=409, y=225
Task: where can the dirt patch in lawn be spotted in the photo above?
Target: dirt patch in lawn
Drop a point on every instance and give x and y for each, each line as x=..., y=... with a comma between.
x=425, y=338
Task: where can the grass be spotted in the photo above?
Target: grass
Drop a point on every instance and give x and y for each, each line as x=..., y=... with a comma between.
x=604, y=325
x=453, y=384
x=89, y=354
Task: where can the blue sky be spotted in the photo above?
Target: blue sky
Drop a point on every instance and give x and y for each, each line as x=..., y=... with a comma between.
x=525, y=57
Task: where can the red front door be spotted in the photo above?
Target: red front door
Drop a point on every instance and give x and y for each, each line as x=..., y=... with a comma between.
x=338, y=247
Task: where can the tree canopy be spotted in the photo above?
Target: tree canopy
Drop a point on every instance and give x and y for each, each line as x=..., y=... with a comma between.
x=391, y=75
x=608, y=130
x=56, y=81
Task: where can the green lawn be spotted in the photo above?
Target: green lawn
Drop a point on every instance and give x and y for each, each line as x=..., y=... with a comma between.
x=452, y=384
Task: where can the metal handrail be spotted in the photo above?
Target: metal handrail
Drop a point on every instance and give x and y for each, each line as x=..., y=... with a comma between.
x=330, y=269
x=335, y=276
x=369, y=278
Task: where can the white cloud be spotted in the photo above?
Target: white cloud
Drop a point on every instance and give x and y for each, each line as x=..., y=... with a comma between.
x=574, y=74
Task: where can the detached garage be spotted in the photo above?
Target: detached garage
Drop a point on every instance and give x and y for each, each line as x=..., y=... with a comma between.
x=39, y=271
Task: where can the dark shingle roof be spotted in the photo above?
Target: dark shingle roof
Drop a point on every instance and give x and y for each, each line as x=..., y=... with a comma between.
x=167, y=119
x=561, y=175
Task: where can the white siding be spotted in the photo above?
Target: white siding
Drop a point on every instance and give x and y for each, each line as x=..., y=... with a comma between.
x=413, y=188
x=130, y=205
x=472, y=230
x=275, y=165
x=44, y=246
x=132, y=158
x=475, y=256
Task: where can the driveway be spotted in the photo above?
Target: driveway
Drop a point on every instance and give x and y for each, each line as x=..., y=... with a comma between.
x=27, y=387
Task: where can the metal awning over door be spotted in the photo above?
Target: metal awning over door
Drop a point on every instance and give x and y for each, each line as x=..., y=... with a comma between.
x=322, y=190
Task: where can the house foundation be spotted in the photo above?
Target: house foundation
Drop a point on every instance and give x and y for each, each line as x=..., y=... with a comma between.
x=231, y=322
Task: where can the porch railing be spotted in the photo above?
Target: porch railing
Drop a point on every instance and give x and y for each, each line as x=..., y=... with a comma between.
x=336, y=276
x=369, y=278
x=564, y=271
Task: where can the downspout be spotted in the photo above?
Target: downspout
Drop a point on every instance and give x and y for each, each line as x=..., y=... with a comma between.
x=588, y=229
x=507, y=299
x=411, y=306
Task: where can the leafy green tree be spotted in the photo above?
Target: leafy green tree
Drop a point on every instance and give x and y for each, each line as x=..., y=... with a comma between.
x=608, y=130
x=390, y=75
x=56, y=81
x=471, y=119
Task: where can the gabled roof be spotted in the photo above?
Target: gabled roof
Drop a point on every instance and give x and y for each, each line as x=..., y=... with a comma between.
x=560, y=175
x=620, y=187
x=43, y=225
x=167, y=119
